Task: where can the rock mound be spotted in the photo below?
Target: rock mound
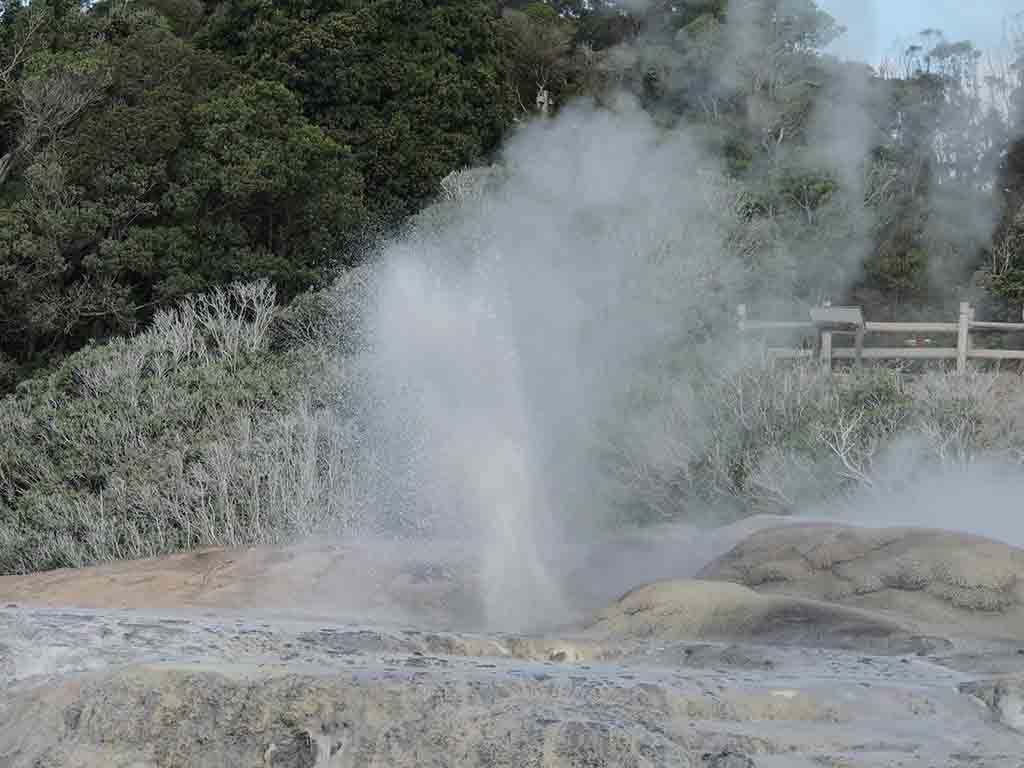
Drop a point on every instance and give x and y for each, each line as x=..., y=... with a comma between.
x=368, y=581
x=707, y=610
x=953, y=581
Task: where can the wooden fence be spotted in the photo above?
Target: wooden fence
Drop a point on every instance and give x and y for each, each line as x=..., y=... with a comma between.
x=848, y=321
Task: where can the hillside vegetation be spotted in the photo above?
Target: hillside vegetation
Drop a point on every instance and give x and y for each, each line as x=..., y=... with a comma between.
x=190, y=189
x=154, y=149
x=226, y=423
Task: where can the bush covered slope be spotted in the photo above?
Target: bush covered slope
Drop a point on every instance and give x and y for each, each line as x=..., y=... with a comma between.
x=190, y=433
x=182, y=182
x=224, y=425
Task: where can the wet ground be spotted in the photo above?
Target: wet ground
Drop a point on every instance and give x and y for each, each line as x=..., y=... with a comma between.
x=776, y=706
x=331, y=656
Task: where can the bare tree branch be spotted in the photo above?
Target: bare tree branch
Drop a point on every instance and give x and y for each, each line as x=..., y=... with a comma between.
x=47, y=104
x=37, y=19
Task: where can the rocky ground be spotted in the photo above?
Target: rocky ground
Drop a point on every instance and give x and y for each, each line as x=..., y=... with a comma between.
x=808, y=645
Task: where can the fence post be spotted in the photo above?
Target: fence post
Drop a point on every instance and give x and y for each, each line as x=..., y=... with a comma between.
x=826, y=350
x=859, y=349
x=962, y=336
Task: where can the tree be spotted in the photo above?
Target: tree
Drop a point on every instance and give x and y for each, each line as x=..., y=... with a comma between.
x=1005, y=272
x=145, y=168
x=539, y=46
x=259, y=190
x=22, y=28
x=413, y=86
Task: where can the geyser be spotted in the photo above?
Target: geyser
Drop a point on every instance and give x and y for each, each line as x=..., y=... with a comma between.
x=510, y=329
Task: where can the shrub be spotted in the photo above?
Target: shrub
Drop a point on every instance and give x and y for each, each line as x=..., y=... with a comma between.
x=760, y=438
x=231, y=423
x=192, y=433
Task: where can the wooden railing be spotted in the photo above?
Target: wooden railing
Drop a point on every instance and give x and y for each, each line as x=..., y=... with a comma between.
x=827, y=353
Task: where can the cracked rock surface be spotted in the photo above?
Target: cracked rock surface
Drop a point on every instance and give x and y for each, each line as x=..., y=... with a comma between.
x=733, y=671
x=953, y=581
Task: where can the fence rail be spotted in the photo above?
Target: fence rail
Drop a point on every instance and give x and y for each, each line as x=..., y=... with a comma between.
x=826, y=353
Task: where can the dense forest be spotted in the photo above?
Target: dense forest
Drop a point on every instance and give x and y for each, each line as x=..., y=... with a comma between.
x=151, y=149
x=183, y=184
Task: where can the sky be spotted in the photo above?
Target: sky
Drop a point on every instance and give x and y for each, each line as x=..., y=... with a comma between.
x=880, y=28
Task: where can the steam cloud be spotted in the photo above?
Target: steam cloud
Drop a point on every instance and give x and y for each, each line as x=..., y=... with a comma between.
x=511, y=329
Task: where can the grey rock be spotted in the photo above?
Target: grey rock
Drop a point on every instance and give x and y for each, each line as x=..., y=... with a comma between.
x=1004, y=697
x=235, y=717
x=727, y=759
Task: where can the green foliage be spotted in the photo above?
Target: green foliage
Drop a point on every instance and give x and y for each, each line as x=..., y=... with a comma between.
x=792, y=415
x=604, y=28
x=154, y=169
x=541, y=12
x=157, y=149
x=1005, y=273
x=183, y=16
x=154, y=149
x=119, y=452
x=264, y=192
x=412, y=87
x=784, y=438
x=900, y=271
x=539, y=55
x=162, y=148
